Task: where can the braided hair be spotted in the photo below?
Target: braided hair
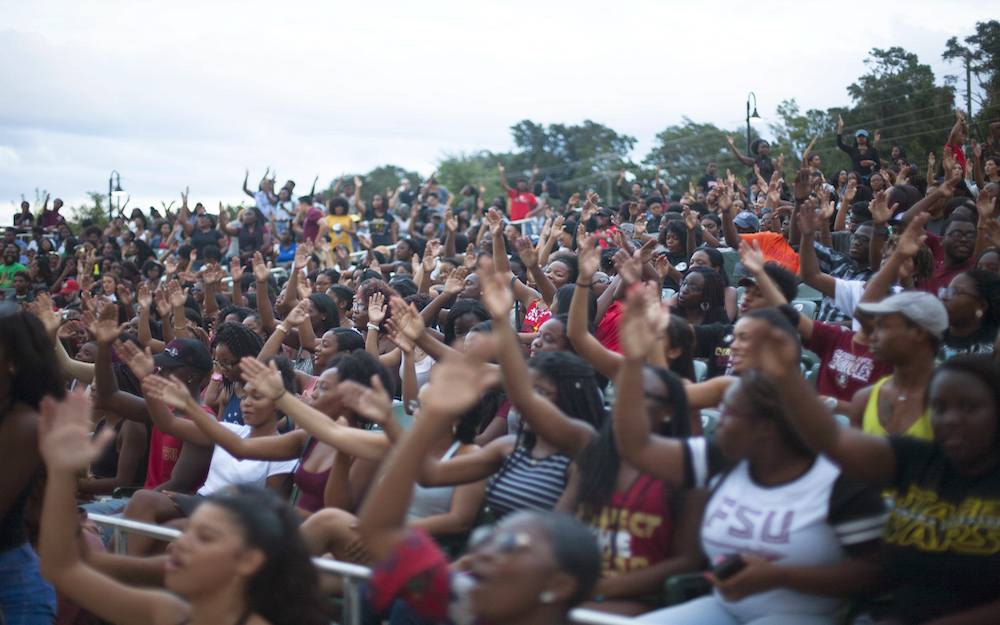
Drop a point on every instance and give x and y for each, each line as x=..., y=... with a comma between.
x=599, y=462
x=713, y=294
x=240, y=340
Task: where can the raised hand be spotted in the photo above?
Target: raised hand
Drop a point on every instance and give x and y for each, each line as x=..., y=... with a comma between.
x=456, y=281
x=64, y=433
x=298, y=315
x=236, y=270
x=801, y=185
x=260, y=270
x=372, y=404
x=690, y=219
x=879, y=207
x=752, y=257
x=170, y=265
x=826, y=206
x=212, y=274
x=469, y=262
x=163, y=307
x=450, y=221
x=993, y=229
x=495, y=220
x=170, y=391
x=986, y=205
x=42, y=308
x=628, y=267
x=662, y=266
x=851, y=190
x=265, y=378
x=406, y=319
x=588, y=257
x=301, y=257
x=106, y=328
x=139, y=361
x=496, y=296
x=175, y=295
x=914, y=236
x=637, y=336
x=376, y=308
x=526, y=251
x=457, y=382
x=840, y=125
x=500, y=168
x=145, y=297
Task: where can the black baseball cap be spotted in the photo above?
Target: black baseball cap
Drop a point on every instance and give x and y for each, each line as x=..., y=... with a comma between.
x=185, y=353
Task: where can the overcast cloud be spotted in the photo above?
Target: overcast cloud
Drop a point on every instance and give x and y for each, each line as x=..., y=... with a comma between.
x=192, y=93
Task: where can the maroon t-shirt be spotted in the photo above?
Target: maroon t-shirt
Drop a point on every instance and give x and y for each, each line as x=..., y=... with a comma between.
x=845, y=366
x=943, y=275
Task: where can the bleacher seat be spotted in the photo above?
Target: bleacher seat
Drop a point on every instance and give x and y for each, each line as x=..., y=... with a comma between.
x=806, y=307
x=809, y=293
x=700, y=371
x=709, y=419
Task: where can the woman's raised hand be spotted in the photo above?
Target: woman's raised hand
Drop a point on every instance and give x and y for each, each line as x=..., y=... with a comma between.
x=64, y=433
x=376, y=308
x=265, y=378
x=170, y=391
x=495, y=296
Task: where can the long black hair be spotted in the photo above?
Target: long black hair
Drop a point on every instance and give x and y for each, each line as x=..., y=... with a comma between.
x=599, y=462
x=462, y=307
x=576, y=385
x=679, y=334
x=31, y=357
x=328, y=307
x=713, y=294
x=285, y=590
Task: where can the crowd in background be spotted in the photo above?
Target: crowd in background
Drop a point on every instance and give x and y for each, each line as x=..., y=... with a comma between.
x=776, y=395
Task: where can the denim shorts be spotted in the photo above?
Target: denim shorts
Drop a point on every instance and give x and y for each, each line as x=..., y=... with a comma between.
x=25, y=598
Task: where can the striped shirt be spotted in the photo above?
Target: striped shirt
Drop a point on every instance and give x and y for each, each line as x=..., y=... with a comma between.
x=526, y=483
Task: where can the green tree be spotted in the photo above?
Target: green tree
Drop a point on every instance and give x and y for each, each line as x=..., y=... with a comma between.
x=455, y=171
x=982, y=52
x=377, y=180
x=899, y=97
x=684, y=150
x=94, y=212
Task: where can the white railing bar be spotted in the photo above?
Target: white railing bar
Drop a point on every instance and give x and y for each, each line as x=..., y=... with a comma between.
x=352, y=572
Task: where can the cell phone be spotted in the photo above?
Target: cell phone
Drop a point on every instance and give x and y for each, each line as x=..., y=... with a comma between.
x=729, y=566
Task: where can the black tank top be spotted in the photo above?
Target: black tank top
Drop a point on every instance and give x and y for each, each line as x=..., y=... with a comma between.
x=12, y=532
x=106, y=464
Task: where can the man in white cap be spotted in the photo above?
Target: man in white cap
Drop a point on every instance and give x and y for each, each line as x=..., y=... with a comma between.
x=909, y=328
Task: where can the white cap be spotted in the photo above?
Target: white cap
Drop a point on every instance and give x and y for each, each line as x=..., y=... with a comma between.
x=921, y=308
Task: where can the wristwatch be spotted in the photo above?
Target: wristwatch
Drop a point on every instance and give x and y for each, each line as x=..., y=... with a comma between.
x=217, y=377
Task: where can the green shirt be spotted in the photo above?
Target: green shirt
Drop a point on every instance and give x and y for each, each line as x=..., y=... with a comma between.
x=7, y=274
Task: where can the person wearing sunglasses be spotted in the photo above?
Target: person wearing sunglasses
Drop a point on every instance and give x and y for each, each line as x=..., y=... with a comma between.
x=533, y=568
x=973, y=304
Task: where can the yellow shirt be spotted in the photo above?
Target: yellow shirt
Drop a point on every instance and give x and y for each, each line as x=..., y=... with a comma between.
x=344, y=221
x=870, y=423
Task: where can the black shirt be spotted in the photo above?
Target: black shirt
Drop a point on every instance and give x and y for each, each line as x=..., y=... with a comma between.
x=871, y=154
x=380, y=227
x=942, y=537
x=712, y=344
x=706, y=182
x=200, y=240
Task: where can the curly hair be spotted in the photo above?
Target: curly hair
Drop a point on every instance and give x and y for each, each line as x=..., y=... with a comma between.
x=239, y=339
x=923, y=262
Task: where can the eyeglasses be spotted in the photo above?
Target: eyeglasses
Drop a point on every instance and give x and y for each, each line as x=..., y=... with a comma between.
x=487, y=538
x=950, y=293
x=694, y=288
x=225, y=366
x=969, y=235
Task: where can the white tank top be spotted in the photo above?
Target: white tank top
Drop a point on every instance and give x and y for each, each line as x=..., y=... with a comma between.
x=433, y=500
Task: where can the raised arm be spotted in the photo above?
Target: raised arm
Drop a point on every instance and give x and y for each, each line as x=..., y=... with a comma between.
x=746, y=160
x=869, y=459
x=261, y=274
x=907, y=247
x=605, y=361
x=503, y=181
x=571, y=436
x=808, y=262
x=455, y=386
x=266, y=379
x=659, y=456
x=527, y=253
x=106, y=331
x=724, y=193
x=67, y=448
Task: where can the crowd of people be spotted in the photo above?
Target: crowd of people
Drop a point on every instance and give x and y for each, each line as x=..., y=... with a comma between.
x=769, y=399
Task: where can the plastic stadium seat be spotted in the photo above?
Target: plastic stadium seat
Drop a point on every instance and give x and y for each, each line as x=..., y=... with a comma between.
x=700, y=371
x=809, y=293
x=806, y=307
x=709, y=419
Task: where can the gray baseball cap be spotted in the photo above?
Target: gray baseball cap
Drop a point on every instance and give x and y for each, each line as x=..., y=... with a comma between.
x=921, y=308
x=746, y=219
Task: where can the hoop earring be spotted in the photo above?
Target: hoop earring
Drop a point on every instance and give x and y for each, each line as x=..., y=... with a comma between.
x=547, y=597
x=704, y=306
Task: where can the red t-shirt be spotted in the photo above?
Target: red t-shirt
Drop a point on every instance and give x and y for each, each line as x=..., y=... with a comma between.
x=943, y=275
x=959, y=155
x=633, y=531
x=163, y=453
x=534, y=317
x=521, y=204
x=845, y=366
x=610, y=232
x=607, y=329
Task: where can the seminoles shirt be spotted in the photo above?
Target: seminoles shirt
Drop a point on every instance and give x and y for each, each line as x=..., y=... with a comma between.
x=163, y=453
x=633, y=530
x=816, y=520
x=845, y=366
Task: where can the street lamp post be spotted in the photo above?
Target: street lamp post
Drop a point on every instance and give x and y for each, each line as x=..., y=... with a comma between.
x=754, y=118
x=114, y=191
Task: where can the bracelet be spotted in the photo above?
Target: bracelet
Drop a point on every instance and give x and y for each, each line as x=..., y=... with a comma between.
x=282, y=328
x=180, y=328
x=585, y=286
x=372, y=326
x=283, y=391
x=883, y=233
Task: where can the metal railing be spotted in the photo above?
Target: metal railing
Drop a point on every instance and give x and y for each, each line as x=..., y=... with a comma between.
x=352, y=574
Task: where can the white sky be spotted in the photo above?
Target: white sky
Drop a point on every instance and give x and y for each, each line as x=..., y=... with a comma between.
x=191, y=93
